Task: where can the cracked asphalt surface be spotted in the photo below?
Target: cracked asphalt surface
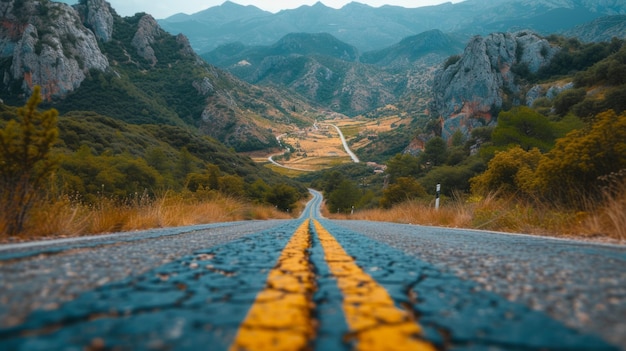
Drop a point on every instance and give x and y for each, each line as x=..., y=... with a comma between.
x=312, y=284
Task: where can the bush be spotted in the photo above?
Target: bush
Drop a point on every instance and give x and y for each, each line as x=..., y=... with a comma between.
x=509, y=172
x=403, y=190
x=571, y=170
x=568, y=98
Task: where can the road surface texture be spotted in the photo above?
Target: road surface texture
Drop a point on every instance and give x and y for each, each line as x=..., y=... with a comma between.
x=312, y=284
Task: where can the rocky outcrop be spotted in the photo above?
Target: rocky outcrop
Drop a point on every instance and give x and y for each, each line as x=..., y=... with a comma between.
x=186, y=49
x=47, y=45
x=97, y=15
x=204, y=86
x=543, y=91
x=469, y=91
x=148, y=31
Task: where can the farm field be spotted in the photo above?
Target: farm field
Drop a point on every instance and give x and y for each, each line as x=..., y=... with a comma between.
x=319, y=146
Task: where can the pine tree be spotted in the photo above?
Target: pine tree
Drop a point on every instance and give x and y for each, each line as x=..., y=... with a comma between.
x=26, y=162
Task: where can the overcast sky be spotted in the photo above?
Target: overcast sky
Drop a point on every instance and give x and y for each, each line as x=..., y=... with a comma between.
x=165, y=8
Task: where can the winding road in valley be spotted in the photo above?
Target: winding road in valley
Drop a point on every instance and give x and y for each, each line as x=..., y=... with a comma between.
x=346, y=147
x=354, y=158
x=312, y=284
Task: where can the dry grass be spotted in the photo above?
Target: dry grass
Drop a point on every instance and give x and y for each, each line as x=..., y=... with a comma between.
x=323, y=147
x=413, y=213
x=292, y=173
x=67, y=218
x=509, y=215
x=610, y=218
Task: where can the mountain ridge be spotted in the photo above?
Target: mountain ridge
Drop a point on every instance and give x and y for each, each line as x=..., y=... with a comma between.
x=88, y=58
x=352, y=22
x=332, y=73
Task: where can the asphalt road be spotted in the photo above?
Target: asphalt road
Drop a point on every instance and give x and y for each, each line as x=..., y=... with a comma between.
x=312, y=284
x=346, y=147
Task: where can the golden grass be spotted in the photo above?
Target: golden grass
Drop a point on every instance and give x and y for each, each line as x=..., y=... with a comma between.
x=610, y=217
x=291, y=173
x=66, y=218
x=508, y=215
x=413, y=213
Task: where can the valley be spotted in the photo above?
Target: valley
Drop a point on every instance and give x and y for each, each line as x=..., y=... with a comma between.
x=319, y=147
x=486, y=108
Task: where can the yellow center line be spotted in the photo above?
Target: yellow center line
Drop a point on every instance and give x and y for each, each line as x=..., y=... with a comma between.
x=374, y=320
x=281, y=316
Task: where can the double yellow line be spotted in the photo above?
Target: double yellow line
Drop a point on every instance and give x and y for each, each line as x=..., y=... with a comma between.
x=281, y=317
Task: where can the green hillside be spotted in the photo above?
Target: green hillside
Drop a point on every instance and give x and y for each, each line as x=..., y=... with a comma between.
x=102, y=155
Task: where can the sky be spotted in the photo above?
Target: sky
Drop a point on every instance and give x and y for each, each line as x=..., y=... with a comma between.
x=165, y=8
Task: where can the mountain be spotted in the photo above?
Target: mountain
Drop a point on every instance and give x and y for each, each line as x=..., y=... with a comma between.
x=88, y=58
x=370, y=28
x=41, y=45
x=427, y=47
x=601, y=29
x=503, y=70
x=470, y=89
x=331, y=73
x=293, y=44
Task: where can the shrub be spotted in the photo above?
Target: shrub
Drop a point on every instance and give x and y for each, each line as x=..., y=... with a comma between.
x=571, y=170
x=403, y=190
x=509, y=172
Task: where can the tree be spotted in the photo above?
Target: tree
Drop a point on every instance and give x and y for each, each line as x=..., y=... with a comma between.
x=403, y=165
x=403, y=190
x=331, y=180
x=26, y=162
x=186, y=163
x=232, y=185
x=283, y=196
x=345, y=196
x=258, y=190
x=214, y=174
x=435, y=152
x=525, y=127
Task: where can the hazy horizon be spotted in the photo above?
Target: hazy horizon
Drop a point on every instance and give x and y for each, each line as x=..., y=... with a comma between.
x=166, y=8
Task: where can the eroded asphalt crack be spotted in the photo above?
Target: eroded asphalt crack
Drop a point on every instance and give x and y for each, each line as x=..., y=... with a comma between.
x=201, y=300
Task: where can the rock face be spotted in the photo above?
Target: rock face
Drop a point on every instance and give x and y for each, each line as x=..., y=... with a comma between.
x=470, y=90
x=46, y=44
x=98, y=16
x=148, y=31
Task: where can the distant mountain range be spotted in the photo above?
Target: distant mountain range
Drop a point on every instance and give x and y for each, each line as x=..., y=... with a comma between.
x=302, y=63
x=368, y=28
x=330, y=72
x=601, y=29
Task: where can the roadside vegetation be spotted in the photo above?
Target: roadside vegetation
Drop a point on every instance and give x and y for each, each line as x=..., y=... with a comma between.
x=85, y=173
x=555, y=168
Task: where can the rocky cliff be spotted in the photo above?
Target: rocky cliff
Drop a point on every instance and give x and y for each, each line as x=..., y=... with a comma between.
x=470, y=89
x=147, y=33
x=45, y=43
x=97, y=15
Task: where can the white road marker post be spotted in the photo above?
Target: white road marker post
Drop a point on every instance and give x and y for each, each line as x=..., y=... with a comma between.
x=437, y=198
